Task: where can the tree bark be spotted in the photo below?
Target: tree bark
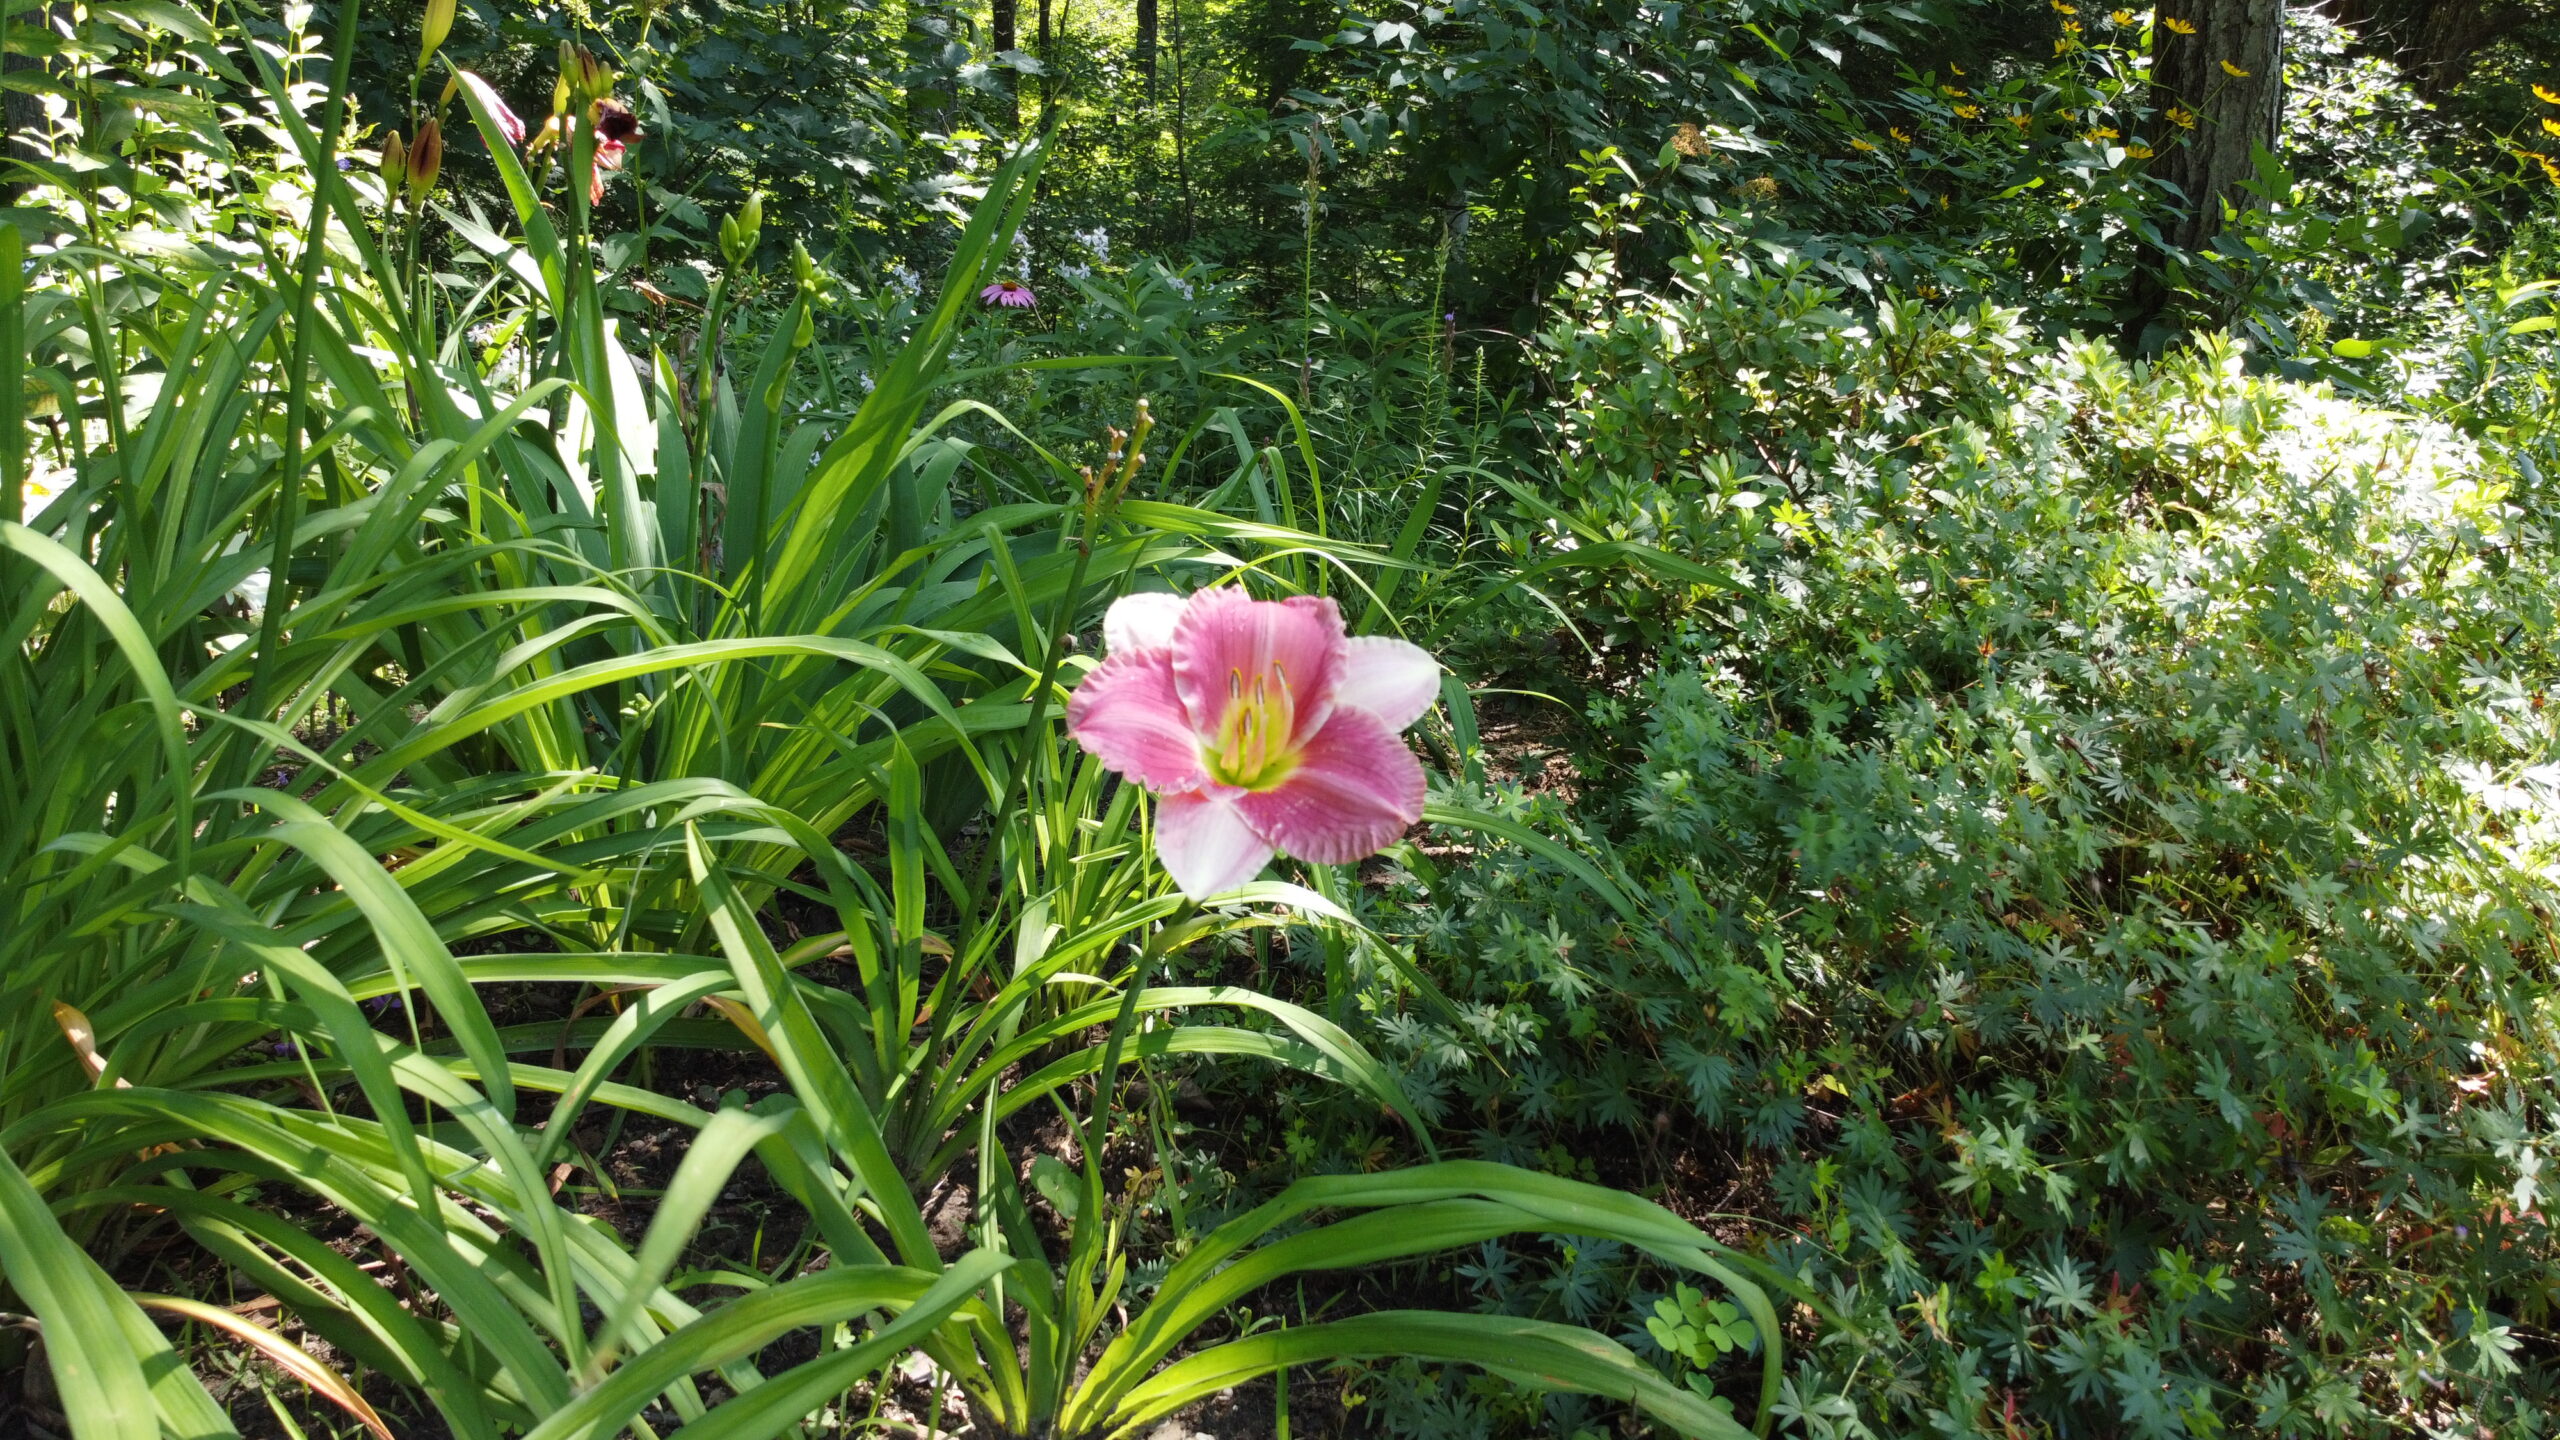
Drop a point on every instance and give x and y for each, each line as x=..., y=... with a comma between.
x=1146, y=47
x=2432, y=41
x=2217, y=92
x=1004, y=20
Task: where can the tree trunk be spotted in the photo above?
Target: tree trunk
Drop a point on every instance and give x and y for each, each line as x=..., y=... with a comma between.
x=1146, y=47
x=2432, y=41
x=22, y=113
x=2217, y=93
x=1005, y=18
x=1048, y=65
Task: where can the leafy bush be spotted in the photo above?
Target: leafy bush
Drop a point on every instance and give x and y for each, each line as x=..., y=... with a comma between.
x=2091, y=824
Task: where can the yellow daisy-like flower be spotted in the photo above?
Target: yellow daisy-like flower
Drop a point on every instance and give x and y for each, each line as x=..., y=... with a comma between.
x=2072, y=26
x=2101, y=133
x=2060, y=8
x=2022, y=121
x=1860, y=145
x=2138, y=151
x=2177, y=26
x=1970, y=112
x=2551, y=125
x=1951, y=92
x=2234, y=71
x=2181, y=117
x=2121, y=17
x=1955, y=67
x=1898, y=133
x=2546, y=95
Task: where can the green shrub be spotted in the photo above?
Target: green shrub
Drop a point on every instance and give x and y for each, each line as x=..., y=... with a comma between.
x=2093, y=836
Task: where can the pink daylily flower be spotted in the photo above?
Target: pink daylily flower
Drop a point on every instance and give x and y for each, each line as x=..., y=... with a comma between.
x=1262, y=724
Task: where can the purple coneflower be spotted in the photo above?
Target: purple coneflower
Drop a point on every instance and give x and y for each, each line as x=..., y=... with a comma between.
x=1011, y=294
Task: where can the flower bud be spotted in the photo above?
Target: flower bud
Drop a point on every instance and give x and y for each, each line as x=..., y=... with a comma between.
x=740, y=232
x=395, y=162
x=804, y=269
x=426, y=158
x=433, y=30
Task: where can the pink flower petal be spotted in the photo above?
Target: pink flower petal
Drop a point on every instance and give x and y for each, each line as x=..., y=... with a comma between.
x=1205, y=845
x=1126, y=712
x=1143, y=621
x=1395, y=680
x=1229, y=647
x=1356, y=788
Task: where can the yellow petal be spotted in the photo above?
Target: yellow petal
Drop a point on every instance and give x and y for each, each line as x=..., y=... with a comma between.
x=2546, y=95
x=2178, y=26
x=2234, y=71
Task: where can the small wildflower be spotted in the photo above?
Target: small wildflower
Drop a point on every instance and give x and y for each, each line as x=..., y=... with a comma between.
x=2138, y=150
x=2177, y=26
x=1951, y=92
x=1689, y=140
x=1969, y=112
x=2551, y=125
x=1898, y=133
x=1856, y=144
x=1761, y=187
x=2234, y=71
x=2022, y=121
x=2062, y=9
x=2120, y=17
x=2100, y=133
x=2182, y=117
x=2546, y=95
x=1011, y=294
x=900, y=278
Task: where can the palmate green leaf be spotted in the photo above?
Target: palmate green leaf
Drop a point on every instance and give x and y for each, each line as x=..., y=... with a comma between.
x=1533, y=1353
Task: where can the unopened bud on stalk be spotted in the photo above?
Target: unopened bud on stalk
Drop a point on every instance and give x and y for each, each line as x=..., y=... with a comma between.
x=433, y=30
x=426, y=159
x=740, y=232
x=395, y=163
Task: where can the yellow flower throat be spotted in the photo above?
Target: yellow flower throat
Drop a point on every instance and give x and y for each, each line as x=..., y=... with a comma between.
x=1252, y=749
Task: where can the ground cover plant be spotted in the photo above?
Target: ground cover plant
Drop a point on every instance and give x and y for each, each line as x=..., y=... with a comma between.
x=1270, y=719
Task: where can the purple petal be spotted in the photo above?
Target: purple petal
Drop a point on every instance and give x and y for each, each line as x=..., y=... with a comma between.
x=1126, y=712
x=1143, y=621
x=1394, y=680
x=1355, y=790
x=1230, y=648
x=1205, y=845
